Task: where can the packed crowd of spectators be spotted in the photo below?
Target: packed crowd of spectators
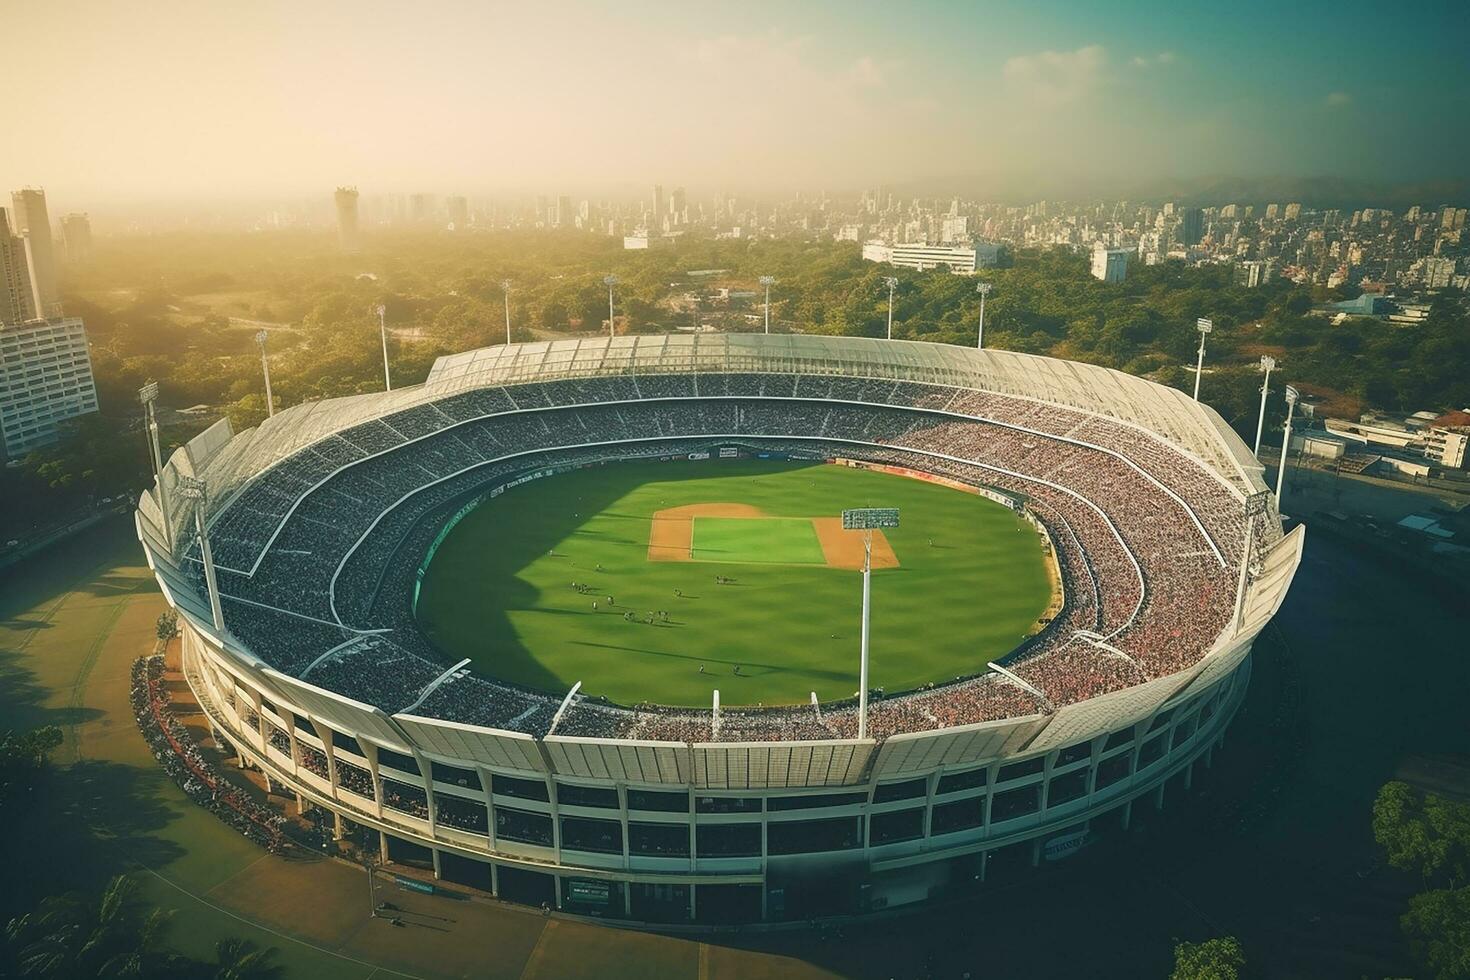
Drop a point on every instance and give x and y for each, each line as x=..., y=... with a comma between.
x=1147, y=538
x=176, y=752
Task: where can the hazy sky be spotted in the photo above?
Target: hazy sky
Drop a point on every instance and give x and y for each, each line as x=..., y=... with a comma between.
x=206, y=97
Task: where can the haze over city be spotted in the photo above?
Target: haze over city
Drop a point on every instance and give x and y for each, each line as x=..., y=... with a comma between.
x=185, y=102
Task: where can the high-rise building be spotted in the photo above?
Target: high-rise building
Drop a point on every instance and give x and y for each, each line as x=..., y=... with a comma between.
x=678, y=207
x=1293, y=212
x=17, y=301
x=1109, y=264
x=1191, y=226
x=45, y=379
x=76, y=237
x=459, y=212
x=656, y=221
x=346, y=198
x=28, y=218
x=564, y=216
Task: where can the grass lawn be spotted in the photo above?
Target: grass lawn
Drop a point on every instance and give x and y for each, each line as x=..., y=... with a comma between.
x=970, y=585
x=773, y=540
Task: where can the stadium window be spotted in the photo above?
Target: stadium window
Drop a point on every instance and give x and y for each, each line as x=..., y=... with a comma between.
x=960, y=815
x=302, y=724
x=348, y=744
x=779, y=803
x=586, y=834
x=454, y=775
x=1161, y=719
x=728, y=839
x=1184, y=730
x=658, y=802
x=598, y=796
x=520, y=825
x=812, y=836
x=1066, y=788
x=406, y=798
x=1112, y=769
x=459, y=813
x=1124, y=737
x=395, y=760
x=907, y=790
x=1152, y=751
x=524, y=789
x=1015, y=803
x=1074, y=753
x=895, y=826
x=956, y=781
x=727, y=804
x=1016, y=770
x=660, y=839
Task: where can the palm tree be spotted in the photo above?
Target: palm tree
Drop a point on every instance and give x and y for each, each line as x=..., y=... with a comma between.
x=241, y=959
x=70, y=936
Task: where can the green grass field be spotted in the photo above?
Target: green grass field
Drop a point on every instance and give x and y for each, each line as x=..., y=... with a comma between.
x=970, y=585
x=773, y=541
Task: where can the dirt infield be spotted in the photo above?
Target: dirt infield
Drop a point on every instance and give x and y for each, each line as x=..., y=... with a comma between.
x=671, y=535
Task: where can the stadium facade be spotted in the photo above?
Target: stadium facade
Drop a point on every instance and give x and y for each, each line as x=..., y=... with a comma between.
x=308, y=663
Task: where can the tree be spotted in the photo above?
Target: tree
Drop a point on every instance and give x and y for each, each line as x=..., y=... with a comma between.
x=1438, y=927
x=103, y=936
x=1215, y=959
x=167, y=626
x=1423, y=833
x=241, y=959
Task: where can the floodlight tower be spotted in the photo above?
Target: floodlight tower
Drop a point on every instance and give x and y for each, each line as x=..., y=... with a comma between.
x=865, y=519
x=768, y=282
x=1268, y=364
x=148, y=394
x=610, y=282
x=1291, y=399
x=265, y=365
x=983, y=288
x=194, y=489
x=1255, y=506
x=383, y=331
x=505, y=288
x=892, y=283
x=1204, y=326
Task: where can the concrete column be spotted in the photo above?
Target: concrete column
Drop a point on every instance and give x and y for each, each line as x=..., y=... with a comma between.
x=984, y=865
x=1189, y=776
x=1159, y=797
x=383, y=847
x=557, y=880
x=337, y=830
x=1036, y=852
x=438, y=869
x=494, y=879
x=692, y=900
x=1127, y=815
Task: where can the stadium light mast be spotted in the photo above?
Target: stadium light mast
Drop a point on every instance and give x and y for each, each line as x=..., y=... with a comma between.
x=610, y=282
x=148, y=394
x=866, y=519
x=983, y=288
x=768, y=282
x=505, y=288
x=1204, y=325
x=1268, y=363
x=1255, y=506
x=383, y=331
x=1291, y=399
x=892, y=283
x=265, y=365
x=194, y=489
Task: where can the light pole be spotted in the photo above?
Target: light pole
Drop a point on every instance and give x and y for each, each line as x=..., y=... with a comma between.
x=265, y=365
x=383, y=330
x=1268, y=363
x=610, y=282
x=865, y=519
x=1204, y=326
x=892, y=283
x=505, y=288
x=1255, y=506
x=768, y=282
x=1291, y=399
x=148, y=394
x=983, y=288
x=194, y=489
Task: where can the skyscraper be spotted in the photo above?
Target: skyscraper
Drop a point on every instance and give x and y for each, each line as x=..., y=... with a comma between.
x=76, y=236
x=29, y=219
x=656, y=221
x=17, y=301
x=346, y=198
x=1191, y=226
x=45, y=379
x=459, y=212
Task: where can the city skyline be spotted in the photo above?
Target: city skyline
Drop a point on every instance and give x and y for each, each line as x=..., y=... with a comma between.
x=280, y=101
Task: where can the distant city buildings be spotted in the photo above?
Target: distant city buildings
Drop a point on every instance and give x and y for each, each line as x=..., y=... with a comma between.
x=76, y=237
x=917, y=255
x=458, y=209
x=1109, y=264
x=45, y=379
x=30, y=222
x=17, y=299
x=346, y=200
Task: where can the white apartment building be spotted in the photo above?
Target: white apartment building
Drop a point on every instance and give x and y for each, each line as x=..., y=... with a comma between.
x=45, y=379
x=917, y=255
x=1109, y=264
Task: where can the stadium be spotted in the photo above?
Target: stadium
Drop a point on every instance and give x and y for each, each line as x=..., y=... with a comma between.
x=387, y=609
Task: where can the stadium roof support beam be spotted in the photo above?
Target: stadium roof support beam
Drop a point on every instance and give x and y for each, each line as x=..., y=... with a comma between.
x=714, y=722
x=1028, y=688
x=1108, y=648
x=328, y=655
x=566, y=703
x=437, y=683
